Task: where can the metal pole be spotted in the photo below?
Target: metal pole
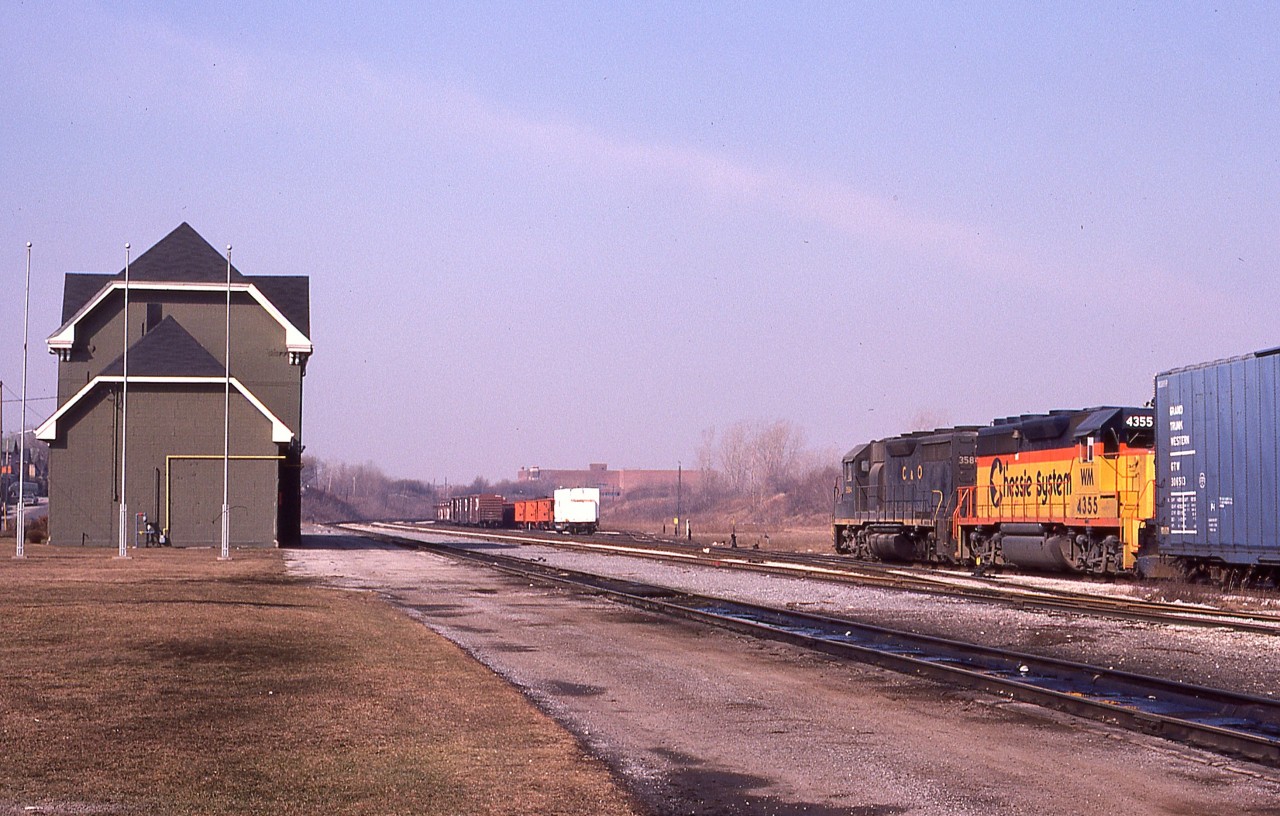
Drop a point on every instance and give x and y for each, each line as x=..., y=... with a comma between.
x=124, y=417
x=679, y=491
x=8, y=461
x=226, y=426
x=21, y=551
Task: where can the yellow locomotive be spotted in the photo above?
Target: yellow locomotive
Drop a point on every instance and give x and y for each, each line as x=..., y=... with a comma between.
x=1067, y=491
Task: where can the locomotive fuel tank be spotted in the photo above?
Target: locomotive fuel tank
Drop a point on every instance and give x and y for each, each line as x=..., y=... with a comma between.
x=892, y=546
x=1030, y=547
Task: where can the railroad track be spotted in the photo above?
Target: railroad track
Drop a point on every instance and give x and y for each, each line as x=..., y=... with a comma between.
x=885, y=576
x=1222, y=721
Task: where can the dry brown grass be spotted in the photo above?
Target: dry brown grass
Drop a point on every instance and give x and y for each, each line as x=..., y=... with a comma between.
x=172, y=683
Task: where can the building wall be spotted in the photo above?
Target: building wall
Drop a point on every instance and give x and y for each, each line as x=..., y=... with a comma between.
x=84, y=474
x=195, y=502
x=165, y=421
x=259, y=358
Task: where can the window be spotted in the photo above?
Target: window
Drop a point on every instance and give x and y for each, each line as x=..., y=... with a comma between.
x=1086, y=449
x=155, y=313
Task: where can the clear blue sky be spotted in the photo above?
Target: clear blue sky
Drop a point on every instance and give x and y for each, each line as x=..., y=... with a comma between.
x=559, y=233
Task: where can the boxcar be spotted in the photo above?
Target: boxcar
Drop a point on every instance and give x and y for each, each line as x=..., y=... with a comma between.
x=534, y=514
x=1219, y=470
x=477, y=510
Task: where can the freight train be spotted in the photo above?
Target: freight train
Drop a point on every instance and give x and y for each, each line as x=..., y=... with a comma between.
x=1190, y=483
x=570, y=510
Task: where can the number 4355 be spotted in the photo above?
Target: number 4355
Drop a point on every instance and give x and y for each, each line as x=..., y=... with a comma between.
x=1087, y=506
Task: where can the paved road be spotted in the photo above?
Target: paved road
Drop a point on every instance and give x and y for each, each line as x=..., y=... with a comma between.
x=698, y=720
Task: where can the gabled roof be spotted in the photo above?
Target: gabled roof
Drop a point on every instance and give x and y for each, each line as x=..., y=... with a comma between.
x=78, y=288
x=291, y=294
x=168, y=350
x=184, y=261
x=181, y=256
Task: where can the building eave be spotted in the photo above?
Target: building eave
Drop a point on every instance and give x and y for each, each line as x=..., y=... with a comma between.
x=62, y=340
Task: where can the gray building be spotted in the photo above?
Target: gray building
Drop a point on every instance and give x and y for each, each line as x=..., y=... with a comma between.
x=177, y=315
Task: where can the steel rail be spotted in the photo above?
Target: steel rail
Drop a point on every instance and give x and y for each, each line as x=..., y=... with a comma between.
x=892, y=577
x=1218, y=720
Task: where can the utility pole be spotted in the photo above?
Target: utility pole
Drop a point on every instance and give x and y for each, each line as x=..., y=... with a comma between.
x=21, y=511
x=226, y=427
x=124, y=417
x=679, y=497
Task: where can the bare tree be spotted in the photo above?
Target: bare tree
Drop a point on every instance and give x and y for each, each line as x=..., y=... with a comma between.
x=736, y=459
x=710, y=483
x=760, y=460
x=334, y=491
x=777, y=449
x=927, y=419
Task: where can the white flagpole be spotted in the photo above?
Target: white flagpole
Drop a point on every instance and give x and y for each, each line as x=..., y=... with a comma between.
x=124, y=416
x=22, y=424
x=226, y=425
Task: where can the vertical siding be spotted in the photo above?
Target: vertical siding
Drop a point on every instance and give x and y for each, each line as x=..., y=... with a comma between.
x=164, y=421
x=84, y=474
x=1232, y=424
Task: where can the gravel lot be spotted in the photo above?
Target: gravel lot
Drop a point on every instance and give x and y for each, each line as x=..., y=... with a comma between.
x=698, y=720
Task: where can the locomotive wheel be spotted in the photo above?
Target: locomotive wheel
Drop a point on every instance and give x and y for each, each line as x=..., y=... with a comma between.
x=1098, y=557
x=984, y=551
x=862, y=547
x=1088, y=555
x=844, y=541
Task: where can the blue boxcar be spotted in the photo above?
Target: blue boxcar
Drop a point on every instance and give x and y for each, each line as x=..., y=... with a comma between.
x=1218, y=466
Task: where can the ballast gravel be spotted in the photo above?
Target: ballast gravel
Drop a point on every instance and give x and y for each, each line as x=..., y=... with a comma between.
x=695, y=719
x=1245, y=662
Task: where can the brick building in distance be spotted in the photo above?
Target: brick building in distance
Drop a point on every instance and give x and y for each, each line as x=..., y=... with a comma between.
x=612, y=483
x=176, y=335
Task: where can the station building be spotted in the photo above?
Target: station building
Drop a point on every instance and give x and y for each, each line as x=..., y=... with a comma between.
x=173, y=414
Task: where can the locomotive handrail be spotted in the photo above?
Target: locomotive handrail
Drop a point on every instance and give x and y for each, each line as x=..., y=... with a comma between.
x=964, y=498
x=895, y=510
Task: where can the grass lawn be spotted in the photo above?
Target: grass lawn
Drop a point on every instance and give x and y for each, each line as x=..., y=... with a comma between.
x=172, y=683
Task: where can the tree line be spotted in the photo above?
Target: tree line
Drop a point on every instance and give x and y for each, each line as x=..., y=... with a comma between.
x=758, y=472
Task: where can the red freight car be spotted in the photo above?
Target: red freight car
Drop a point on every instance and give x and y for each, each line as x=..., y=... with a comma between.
x=535, y=514
x=477, y=510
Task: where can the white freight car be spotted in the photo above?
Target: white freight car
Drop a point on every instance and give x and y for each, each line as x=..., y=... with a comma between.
x=577, y=509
